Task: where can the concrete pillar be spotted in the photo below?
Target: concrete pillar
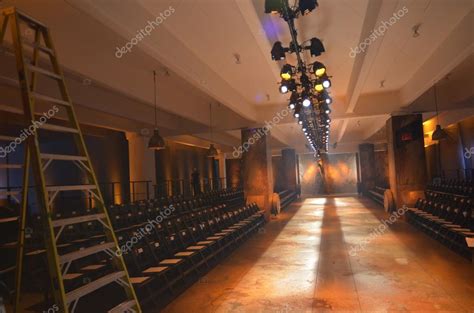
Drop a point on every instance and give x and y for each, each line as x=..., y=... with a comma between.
x=233, y=172
x=222, y=170
x=288, y=167
x=141, y=163
x=257, y=173
x=367, y=167
x=406, y=158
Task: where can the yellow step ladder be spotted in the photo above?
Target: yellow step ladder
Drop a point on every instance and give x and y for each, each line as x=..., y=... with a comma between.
x=29, y=71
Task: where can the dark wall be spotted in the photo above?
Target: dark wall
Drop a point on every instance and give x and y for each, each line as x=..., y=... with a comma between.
x=278, y=179
x=337, y=173
x=108, y=151
x=448, y=158
x=367, y=167
x=233, y=172
x=177, y=162
x=381, y=169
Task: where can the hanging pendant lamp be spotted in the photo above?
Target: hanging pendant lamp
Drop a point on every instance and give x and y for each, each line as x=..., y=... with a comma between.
x=156, y=141
x=212, y=151
x=439, y=133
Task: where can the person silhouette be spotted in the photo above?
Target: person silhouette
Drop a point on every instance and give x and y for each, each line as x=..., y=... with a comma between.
x=196, y=181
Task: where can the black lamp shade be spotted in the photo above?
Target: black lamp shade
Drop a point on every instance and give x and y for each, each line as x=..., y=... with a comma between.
x=212, y=152
x=439, y=133
x=156, y=141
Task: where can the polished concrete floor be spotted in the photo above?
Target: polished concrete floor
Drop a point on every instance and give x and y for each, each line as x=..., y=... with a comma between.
x=324, y=255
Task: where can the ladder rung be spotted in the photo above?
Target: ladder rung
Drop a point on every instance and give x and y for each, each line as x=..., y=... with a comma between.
x=9, y=193
x=7, y=138
x=11, y=166
x=50, y=99
x=9, y=108
x=123, y=307
x=63, y=157
x=93, y=286
x=8, y=219
x=71, y=188
x=29, y=19
x=7, y=270
x=37, y=69
x=39, y=47
x=77, y=220
x=58, y=128
x=85, y=252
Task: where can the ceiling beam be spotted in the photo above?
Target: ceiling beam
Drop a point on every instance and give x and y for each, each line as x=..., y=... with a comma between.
x=457, y=47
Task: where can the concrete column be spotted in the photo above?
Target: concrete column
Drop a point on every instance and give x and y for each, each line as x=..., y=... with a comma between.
x=222, y=170
x=257, y=173
x=367, y=167
x=288, y=167
x=233, y=172
x=406, y=158
x=142, y=162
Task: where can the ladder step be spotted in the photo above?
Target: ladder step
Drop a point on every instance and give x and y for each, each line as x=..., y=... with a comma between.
x=77, y=220
x=11, y=166
x=9, y=193
x=39, y=47
x=79, y=254
x=11, y=109
x=93, y=286
x=8, y=219
x=50, y=99
x=28, y=19
x=123, y=307
x=58, y=128
x=8, y=270
x=40, y=70
x=60, y=157
x=7, y=138
x=71, y=188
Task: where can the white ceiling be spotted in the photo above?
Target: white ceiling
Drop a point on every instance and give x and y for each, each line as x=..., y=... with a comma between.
x=197, y=46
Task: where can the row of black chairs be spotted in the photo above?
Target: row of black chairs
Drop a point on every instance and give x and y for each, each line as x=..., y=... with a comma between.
x=447, y=218
x=182, y=250
x=169, y=252
x=286, y=198
x=453, y=186
x=123, y=217
x=208, y=196
x=377, y=194
x=133, y=217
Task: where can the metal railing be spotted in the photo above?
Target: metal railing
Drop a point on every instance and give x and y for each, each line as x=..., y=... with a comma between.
x=463, y=173
x=126, y=192
x=187, y=187
x=112, y=192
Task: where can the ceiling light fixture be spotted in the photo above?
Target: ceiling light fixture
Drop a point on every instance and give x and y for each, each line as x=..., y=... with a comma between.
x=439, y=133
x=319, y=69
x=308, y=82
x=212, y=151
x=278, y=51
x=156, y=142
x=316, y=47
x=286, y=72
x=307, y=6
